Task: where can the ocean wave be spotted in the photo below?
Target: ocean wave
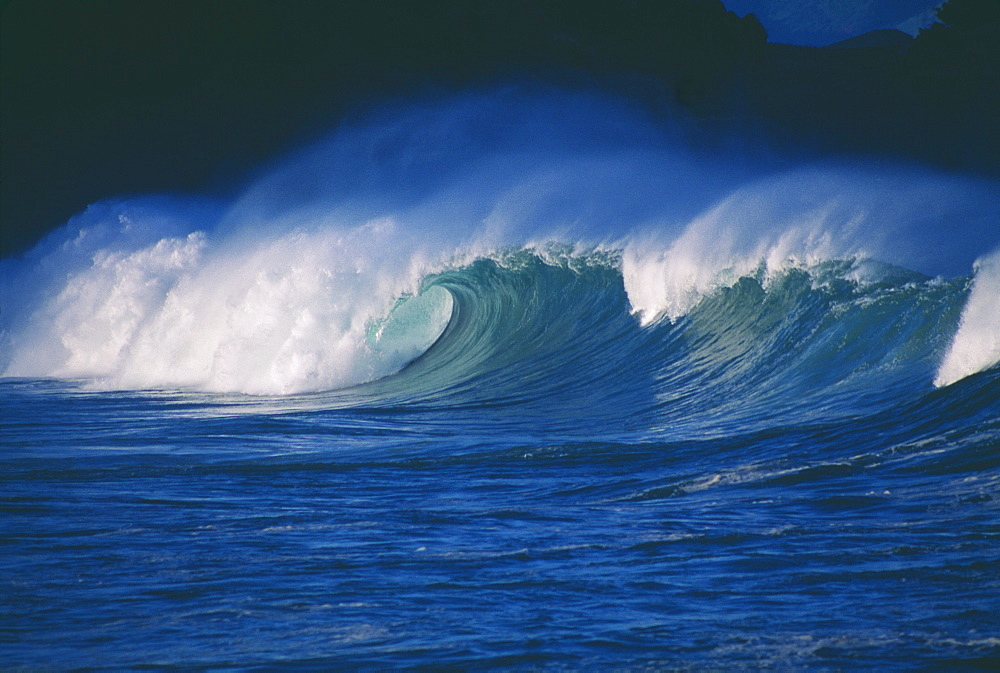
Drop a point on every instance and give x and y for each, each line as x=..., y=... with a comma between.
x=445, y=252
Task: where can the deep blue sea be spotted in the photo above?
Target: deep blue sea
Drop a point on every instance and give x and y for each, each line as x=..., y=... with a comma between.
x=582, y=403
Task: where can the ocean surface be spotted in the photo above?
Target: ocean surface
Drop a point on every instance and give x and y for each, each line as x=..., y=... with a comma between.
x=429, y=395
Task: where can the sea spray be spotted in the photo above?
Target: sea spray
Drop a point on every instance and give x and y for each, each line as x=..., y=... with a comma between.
x=798, y=218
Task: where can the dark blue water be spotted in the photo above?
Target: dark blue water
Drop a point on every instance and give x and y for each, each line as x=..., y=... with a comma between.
x=770, y=482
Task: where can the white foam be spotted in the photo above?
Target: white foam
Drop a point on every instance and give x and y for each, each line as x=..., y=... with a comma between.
x=801, y=217
x=280, y=315
x=755, y=228
x=976, y=345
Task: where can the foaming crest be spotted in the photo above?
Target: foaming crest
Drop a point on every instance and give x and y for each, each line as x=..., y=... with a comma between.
x=801, y=217
x=289, y=286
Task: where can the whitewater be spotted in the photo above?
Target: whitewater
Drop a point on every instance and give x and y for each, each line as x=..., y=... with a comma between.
x=510, y=378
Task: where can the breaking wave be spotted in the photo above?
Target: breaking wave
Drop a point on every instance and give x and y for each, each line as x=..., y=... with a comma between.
x=514, y=246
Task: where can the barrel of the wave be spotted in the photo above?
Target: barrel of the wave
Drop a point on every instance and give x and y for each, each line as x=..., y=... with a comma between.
x=413, y=325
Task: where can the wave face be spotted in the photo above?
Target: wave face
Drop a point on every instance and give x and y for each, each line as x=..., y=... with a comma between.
x=553, y=335
x=513, y=380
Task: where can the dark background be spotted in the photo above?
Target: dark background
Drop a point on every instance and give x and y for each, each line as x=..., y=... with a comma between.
x=109, y=97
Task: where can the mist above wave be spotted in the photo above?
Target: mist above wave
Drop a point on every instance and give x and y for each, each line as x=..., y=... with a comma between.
x=277, y=290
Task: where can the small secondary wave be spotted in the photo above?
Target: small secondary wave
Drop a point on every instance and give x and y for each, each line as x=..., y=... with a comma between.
x=977, y=343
